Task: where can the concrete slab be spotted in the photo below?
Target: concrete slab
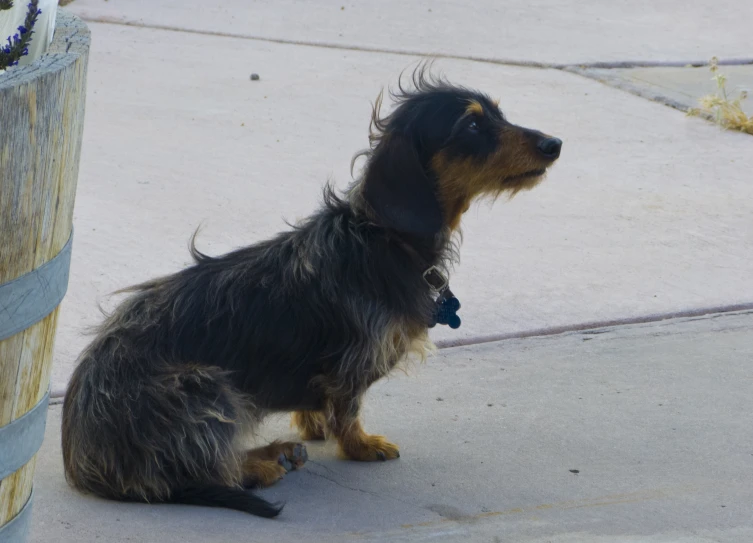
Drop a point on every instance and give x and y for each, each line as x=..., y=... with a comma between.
x=679, y=87
x=647, y=211
x=654, y=418
x=545, y=31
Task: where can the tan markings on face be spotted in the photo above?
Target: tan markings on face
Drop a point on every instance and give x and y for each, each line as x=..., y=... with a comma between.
x=474, y=108
x=512, y=168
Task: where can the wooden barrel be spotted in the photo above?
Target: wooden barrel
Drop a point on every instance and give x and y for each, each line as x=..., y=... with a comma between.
x=41, y=124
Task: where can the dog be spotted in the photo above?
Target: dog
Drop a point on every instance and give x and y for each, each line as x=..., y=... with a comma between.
x=305, y=323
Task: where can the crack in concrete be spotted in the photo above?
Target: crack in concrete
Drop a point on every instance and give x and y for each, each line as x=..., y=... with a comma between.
x=655, y=64
x=593, y=327
x=330, y=470
x=338, y=483
x=415, y=53
x=709, y=312
x=624, y=85
x=342, y=485
x=320, y=44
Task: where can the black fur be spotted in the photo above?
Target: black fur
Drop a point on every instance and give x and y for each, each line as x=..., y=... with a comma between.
x=230, y=498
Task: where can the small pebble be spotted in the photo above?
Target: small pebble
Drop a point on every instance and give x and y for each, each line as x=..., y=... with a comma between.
x=574, y=471
x=255, y=77
x=440, y=399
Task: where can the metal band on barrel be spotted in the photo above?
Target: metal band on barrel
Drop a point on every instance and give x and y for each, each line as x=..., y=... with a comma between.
x=21, y=439
x=18, y=527
x=28, y=299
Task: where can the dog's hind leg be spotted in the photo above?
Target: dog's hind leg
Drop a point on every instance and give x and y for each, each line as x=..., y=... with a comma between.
x=354, y=443
x=311, y=424
x=265, y=466
x=168, y=436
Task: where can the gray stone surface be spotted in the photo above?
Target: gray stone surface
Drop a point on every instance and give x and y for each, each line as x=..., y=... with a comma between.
x=680, y=87
x=545, y=31
x=647, y=211
x=655, y=418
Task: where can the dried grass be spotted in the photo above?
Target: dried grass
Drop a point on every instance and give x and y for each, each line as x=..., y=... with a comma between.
x=727, y=112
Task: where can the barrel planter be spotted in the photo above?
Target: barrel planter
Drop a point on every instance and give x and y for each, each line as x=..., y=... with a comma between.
x=41, y=124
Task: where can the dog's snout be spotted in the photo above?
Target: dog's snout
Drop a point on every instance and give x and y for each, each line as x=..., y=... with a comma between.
x=550, y=147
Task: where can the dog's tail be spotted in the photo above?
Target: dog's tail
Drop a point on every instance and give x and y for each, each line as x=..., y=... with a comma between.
x=239, y=499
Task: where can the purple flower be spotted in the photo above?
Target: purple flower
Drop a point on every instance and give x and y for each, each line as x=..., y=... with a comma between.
x=18, y=45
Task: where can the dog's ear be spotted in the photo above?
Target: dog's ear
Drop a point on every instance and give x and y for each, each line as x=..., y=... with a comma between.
x=398, y=189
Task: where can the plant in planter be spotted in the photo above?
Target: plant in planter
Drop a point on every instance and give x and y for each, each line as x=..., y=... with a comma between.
x=19, y=20
x=18, y=44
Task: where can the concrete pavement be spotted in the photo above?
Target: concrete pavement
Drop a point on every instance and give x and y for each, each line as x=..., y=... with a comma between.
x=655, y=419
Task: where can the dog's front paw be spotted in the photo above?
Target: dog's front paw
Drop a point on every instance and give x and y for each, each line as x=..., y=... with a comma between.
x=368, y=448
x=293, y=456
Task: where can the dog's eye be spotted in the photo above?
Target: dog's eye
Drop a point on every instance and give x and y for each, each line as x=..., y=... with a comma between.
x=473, y=126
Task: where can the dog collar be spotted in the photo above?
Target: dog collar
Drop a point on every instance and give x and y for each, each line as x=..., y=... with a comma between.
x=447, y=304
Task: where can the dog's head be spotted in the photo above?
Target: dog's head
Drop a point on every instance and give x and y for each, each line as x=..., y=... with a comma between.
x=442, y=147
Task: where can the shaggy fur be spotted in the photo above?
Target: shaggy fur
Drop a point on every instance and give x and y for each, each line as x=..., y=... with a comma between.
x=304, y=322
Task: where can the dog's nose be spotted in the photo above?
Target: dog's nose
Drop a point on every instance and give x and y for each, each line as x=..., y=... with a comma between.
x=550, y=147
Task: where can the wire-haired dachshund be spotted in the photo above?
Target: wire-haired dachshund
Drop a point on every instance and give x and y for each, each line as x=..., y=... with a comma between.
x=188, y=364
